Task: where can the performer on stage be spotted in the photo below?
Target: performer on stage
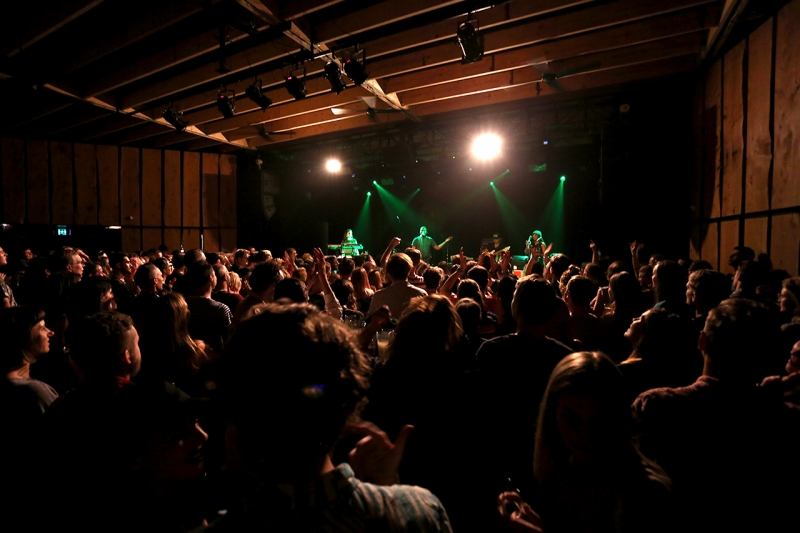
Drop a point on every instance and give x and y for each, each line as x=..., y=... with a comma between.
x=426, y=245
x=348, y=238
x=497, y=247
x=535, y=246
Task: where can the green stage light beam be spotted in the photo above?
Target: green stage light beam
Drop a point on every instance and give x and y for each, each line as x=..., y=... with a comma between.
x=397, y=209
x=410, y=197
x=513, y=217
x=552, y=219
x=363, y=226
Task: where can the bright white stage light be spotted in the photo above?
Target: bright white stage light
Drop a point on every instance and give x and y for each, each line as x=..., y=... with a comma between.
x=333, y=165
x=486, y=146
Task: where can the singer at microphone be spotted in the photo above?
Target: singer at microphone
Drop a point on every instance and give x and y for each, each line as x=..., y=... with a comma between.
x=426, y=245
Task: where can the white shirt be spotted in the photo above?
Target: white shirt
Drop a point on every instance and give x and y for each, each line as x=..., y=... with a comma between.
x=397, y=296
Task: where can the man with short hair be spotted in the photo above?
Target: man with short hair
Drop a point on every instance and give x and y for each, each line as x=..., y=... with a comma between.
x=193, y=256
x=150, y=281
x=726, y=444
x=262, y=288
x=585, y=325
x=120, y=269
x=311, y=396
x=400, y=293
x=513, y=372
x=346, y=267
x=240, y=260
x=209, y=320
x=426, y=245
x=704, y=291
x=6, y=293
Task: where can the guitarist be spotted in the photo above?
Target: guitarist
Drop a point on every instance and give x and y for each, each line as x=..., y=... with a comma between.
x=498, y=250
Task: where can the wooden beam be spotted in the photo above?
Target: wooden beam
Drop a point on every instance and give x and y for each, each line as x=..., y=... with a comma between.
x=100, y=128
x=283, y=111
x=677, y=24
x=622, y=75
x=338, y=126
x=132, y=135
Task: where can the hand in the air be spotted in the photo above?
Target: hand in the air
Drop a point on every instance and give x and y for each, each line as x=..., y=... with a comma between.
x=375, y=458
x=518, y=514
x=462, y=259
x=592, y=246
x=395, y=242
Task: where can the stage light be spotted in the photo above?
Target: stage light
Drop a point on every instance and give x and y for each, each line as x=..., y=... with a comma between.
x=563, y=179
x=296, y=86
x=334, y=76
x=355, y=69
x=369, y=193
x=254, y=93
x=226, y=104
x=471, y=43
x=491, y=183
x=333, y=165
x=486, y=146
x=374, y=182
x=174, y=119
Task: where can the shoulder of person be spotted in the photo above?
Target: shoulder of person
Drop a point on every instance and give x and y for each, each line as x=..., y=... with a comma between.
x=408, y=507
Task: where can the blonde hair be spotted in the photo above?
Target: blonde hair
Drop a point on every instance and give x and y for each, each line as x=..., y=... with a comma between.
x=234, y=282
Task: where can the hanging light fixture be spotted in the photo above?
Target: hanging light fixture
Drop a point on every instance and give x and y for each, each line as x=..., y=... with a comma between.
x=334, y=76
x=471, y=42
x=174, y=118
x=355, y=68
x=295, y=85
x=259, y=98
x=226, y=103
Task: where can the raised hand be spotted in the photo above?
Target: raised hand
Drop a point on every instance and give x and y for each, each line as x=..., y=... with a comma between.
x=375, y=458
x=517, y=514
x=395, y=242
x=592, y=246
x=319, y=261
x=462, y=259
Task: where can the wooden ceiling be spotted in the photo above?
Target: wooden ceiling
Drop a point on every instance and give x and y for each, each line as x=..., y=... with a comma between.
x=104, y=72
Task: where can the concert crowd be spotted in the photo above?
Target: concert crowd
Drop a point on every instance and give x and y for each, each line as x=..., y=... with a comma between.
x=216, y=392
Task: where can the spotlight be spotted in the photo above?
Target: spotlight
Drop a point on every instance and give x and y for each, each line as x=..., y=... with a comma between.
x=260, y=99
x=333, y=165
x=174, y=119
x=355, y=69
x=486, y=146
x=563, y=179
x=491, y=183
x=334, y=76
x=226, y=104
x=369, y=193
x=374, y=182
x=296, y=86
x=471, y=43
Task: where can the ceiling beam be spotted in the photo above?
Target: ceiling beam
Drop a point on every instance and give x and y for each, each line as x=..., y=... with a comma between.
x=574, y=83
x=351, y=123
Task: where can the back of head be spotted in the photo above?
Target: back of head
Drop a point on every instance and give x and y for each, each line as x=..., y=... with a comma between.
x=144, y=274
x=595, y=377
x=291, y=289
x=212, y=258
x=596, y=273
x=220, y=273
x=432, y=320
x=196, y=280
x=98, y=342
x=16, y=325
x=433, y=278
x=627, y=294
x=663, y=338
x=581, y=291
x=414, y=254
x=193, y=256
x=85, y=298
x=346, y=266
x=710, y=288
x=534, y=302
x=398, y=267
x=750, y=275
x=559, y=263
x=470, y=314
x=669, y=280
x=700, y=264
x=310, y=395
x=480, y=275
x=344, y=292
x=469, y=288
x=265, y=275
x=740, y=339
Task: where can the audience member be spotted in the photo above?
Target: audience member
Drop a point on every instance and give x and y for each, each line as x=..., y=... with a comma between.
x=399, y=294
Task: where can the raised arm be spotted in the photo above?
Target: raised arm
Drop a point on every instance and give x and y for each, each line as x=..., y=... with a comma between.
x=447, y=287
x=637, y=264
x=439, y=246
x=595, y=253
x=386, y=253
x=332, y=305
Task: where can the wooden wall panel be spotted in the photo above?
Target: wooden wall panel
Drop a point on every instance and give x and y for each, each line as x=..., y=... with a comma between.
x=708, y=249
x=227, y=192
x=191, y=238
x=211, y=241
x=151, y=187
x=130, y=203
x=172, y=238
x=697, y=146
x=728, y=239
x=131, y=239
x=108, y=179
x=785, y=183
x=172, y=188
x=759, y=140
x=733, y=131
x=61, y=176
x=785, y=248
x=86, y=184
x=228, y=238
x=712, y=129
x=12, y=161
x=151, y=238
x=191, y=190
x=211, y=192
x=38, y=182
x=755, y=234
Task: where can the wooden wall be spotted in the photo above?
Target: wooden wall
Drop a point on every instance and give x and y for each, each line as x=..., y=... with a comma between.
x=747, y=124
x=157, y=196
